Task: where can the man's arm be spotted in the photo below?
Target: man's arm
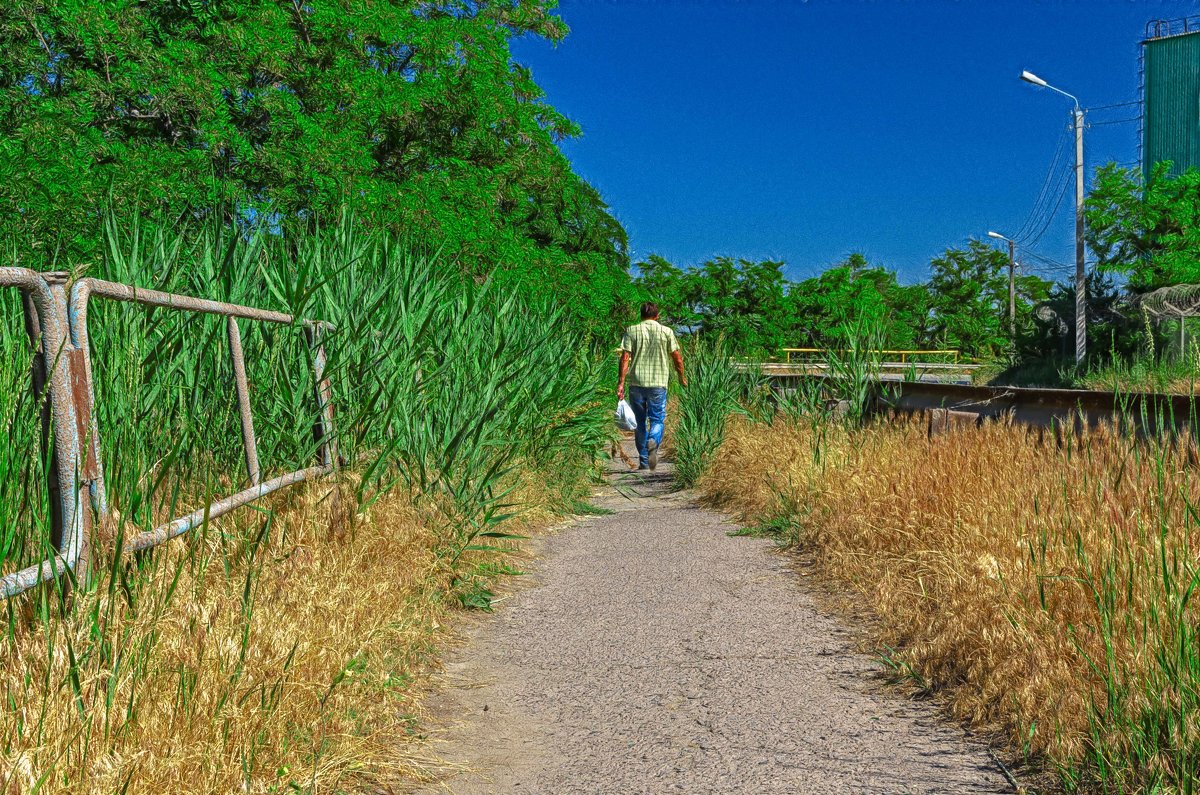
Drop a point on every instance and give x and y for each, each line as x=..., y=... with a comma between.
x=622, y=369
x=677, y=358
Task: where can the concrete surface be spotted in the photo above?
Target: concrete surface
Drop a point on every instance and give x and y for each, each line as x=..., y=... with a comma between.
x=653, y=653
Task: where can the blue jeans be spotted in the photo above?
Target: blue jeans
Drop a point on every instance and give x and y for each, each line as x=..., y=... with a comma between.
x=649, y=404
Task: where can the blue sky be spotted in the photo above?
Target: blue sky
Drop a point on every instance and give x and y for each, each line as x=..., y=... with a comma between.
x=803, y=131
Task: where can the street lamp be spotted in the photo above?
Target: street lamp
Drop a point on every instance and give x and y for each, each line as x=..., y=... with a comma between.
x=1080, y=275
x=1012, y=284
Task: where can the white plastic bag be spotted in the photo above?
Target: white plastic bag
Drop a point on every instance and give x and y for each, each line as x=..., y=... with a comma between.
x=625, y=419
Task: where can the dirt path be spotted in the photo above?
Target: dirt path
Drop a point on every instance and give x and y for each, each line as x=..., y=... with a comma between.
x=654, y=653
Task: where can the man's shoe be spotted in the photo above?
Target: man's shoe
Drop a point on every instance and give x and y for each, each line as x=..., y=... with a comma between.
x=653, y=457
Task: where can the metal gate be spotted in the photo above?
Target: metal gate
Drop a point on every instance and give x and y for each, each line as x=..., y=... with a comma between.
x=56, y=321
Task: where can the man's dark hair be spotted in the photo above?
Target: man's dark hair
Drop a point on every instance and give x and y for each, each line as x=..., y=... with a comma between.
x=649, y=310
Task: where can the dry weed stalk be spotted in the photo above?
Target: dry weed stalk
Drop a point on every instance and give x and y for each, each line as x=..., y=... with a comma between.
x=213, y=688
x=1044, y=589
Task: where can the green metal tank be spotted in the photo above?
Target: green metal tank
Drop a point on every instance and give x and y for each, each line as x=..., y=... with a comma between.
x=1171, y=95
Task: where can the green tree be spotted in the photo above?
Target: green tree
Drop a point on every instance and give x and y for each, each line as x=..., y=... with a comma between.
x=1149, y=232
x=670, y=287
x=412, y=112
x=741, y=300
x=824, y=309
x=1051, y=332
x=969, y=291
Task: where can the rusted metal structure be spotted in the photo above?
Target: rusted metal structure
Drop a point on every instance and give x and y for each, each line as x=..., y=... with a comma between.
x=1144, y=413
x=56, y=312
x=949, y=404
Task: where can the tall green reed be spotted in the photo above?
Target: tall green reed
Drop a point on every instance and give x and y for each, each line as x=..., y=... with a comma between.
x=716, y=388
x=854, y=368
x=440, y=383
x=442, y=386
x=23, y=500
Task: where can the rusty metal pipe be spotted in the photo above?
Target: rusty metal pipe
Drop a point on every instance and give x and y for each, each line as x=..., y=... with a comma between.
x=178, y=527
x=22, y=278
x=138, y=295
x=68, y=403
x=85, y=395
x=49, y=296
x=243, y=395
x=20, y=581
x=323, y=429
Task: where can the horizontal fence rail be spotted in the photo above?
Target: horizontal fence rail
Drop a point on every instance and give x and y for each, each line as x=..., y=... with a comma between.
x=56, y=312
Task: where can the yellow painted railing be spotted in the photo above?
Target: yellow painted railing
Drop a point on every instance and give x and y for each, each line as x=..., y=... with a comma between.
x=902, y=354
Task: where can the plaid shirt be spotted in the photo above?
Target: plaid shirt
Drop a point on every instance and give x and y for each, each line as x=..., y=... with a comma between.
x=650, y=345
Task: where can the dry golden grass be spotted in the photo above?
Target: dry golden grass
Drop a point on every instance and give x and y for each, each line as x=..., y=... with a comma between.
x=221, y=664
x=1127, y=383
x=1004, y=567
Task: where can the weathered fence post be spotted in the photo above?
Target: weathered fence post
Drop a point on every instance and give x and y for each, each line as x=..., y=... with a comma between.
x=323, y=430
x=41, y=399
x=243, y=395
x=74, y=441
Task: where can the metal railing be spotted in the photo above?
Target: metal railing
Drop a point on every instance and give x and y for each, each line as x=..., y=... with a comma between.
x=903, y=354
x=56, y=313
x=1163, y=28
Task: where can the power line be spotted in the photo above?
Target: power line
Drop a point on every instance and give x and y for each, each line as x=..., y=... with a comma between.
x=1047, y=259
x=1041, y=203
x=1064, y=189
x=1032, y=237
x=1047, y=266
x=1053, y=192
x=1115, y=105
x=1114, y=121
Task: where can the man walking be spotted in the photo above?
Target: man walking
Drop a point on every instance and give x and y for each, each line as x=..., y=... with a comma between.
x=647, y=352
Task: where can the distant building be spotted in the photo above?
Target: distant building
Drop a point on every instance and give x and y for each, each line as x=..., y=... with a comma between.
x=1171, y=94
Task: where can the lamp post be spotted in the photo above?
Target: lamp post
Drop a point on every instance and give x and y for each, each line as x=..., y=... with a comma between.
x=1012, y=283
x=1080, y=274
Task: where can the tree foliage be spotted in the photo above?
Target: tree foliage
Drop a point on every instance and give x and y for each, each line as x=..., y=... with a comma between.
x=738, y=299
x=969, y=291
x=411, y=112
x=756, y=309
x=1150, y=232
x=824, y=309
x=1109, y=331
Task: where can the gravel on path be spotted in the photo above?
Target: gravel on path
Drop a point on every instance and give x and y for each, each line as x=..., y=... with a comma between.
x=654, y=653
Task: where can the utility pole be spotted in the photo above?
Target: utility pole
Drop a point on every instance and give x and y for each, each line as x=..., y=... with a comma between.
x=1012, y=283
x=1080, y=273
x=1012, y=290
